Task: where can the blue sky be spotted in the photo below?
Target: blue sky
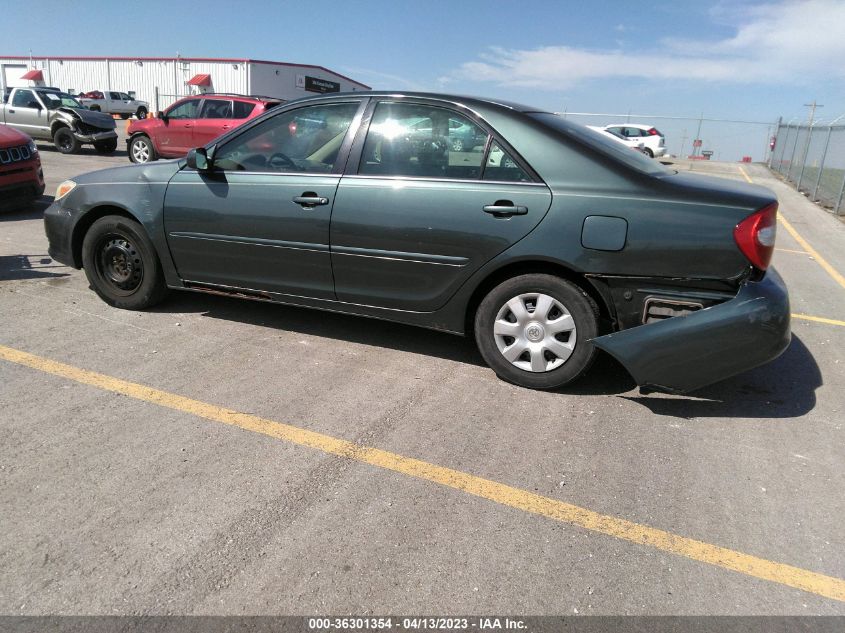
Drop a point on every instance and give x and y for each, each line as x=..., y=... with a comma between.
x=738, y=60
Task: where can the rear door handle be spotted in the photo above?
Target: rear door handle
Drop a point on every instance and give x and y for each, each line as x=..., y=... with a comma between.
x=505, y=209
x=309, y=200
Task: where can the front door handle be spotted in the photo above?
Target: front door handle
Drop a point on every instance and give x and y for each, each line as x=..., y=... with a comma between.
x=309, y=200
x=505, y=209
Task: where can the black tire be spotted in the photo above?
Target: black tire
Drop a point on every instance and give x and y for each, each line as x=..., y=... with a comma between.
x=65, y=141
x=125, y=116
x=572, y=299
x=647, y=151
x=141, y=146
x=141, y=113
x=121, y=264
x=106, y=147
x=94, y=108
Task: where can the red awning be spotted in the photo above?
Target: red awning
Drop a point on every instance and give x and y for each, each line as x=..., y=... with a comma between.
x=35, y=75
x=200, y=80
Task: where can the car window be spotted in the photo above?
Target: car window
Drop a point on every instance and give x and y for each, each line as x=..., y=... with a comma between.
x=217, y=109
x=302, y=140
x=407, y=139
x=55, y=100
x=115, y=96
x=601, y=143
x=185, y=110
x=23, y=98
x=633, y=132
x=500, y=166
x=125, y=96
x=242, y=109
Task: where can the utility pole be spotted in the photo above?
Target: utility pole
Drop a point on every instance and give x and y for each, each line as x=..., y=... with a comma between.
x=683, y=143
x=813, y=107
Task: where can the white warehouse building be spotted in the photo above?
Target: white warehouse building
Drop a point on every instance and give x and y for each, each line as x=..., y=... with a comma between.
x=162, y=80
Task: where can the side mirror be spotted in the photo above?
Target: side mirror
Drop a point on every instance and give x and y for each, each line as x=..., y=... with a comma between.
x=161, y=115
x=198, y=159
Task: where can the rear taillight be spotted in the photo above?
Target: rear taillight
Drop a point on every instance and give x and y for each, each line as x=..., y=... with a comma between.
x=653, y=132
x=755, y=235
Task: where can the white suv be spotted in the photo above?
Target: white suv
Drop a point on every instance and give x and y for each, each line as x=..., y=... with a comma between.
x=654, y=144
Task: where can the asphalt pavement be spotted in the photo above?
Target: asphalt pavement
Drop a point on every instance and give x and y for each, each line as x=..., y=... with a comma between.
x=241, y=485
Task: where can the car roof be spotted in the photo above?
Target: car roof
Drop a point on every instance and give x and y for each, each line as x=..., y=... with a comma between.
x=231, y=95
x=466, y=100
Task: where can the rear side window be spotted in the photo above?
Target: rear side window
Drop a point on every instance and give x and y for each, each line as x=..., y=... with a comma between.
x=500, y=166
x=184, y=110
x=115, y=96
x=406, y=139
x=217, y=109
x=242, y=109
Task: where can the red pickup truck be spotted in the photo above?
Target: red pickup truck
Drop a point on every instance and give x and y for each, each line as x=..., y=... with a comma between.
x=21, y=178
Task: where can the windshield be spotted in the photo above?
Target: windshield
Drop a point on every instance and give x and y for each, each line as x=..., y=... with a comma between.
x=631, y=157
x=55, y=100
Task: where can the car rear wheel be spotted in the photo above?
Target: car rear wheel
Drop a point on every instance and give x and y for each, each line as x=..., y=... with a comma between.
x=534, y=331
x=647, y=151
x=458, y=145
x=94, y=108
x=122, y=265
x=106, y=147
x=65, y=141
x=141, y=113
x=141, y=150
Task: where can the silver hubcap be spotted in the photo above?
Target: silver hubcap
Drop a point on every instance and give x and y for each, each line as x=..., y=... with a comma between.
x=535, y=332
x=141, y=151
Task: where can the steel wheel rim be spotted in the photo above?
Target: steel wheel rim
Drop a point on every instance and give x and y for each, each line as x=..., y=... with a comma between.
x=65, y=141
x=119, y=263
x=141, y=151
x=535, y=332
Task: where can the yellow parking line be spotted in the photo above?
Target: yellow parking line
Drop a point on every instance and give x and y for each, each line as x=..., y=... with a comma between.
x=837, y=276
x=807, y=317
x=812, y=582
x=789, y=250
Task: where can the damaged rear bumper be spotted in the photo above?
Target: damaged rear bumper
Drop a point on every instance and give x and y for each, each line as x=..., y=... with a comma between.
x=684, y=353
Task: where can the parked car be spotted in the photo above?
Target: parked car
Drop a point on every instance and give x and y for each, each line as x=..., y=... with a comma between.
x=190, y=122
x=46, y=113
x=551, y=244
x=113, y=102
x=632, y=143
x=21, y=177
x=654, y=143
x=460, y=136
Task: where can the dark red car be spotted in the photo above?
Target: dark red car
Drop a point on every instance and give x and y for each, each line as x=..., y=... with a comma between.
x=21, y=178
x=191, y=122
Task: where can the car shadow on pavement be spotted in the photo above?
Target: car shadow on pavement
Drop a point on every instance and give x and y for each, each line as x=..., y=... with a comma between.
x=784, y=388
x=14, y=267
x=13, y=211
x=606, y=377
x=85, y=150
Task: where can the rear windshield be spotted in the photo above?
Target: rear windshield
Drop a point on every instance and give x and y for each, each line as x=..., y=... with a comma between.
x=605, y=145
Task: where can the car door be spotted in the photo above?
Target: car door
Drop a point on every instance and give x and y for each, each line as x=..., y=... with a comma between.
x=176, y=136
x=22, y=114
x=215, y=119
x=259, y=220
x=417, y=218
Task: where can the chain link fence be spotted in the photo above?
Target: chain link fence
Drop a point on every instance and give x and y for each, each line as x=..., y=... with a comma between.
x=812, y=157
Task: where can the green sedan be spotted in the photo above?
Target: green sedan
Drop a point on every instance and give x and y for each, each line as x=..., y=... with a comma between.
x=546, y=243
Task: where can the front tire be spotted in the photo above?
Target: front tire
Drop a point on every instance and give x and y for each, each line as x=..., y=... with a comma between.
x=65, y=141
x=141, y=113
x=141, y=149
x=534, y=331
x=121, y=264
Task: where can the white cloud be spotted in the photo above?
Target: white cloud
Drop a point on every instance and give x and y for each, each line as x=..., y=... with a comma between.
x=775, y=43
